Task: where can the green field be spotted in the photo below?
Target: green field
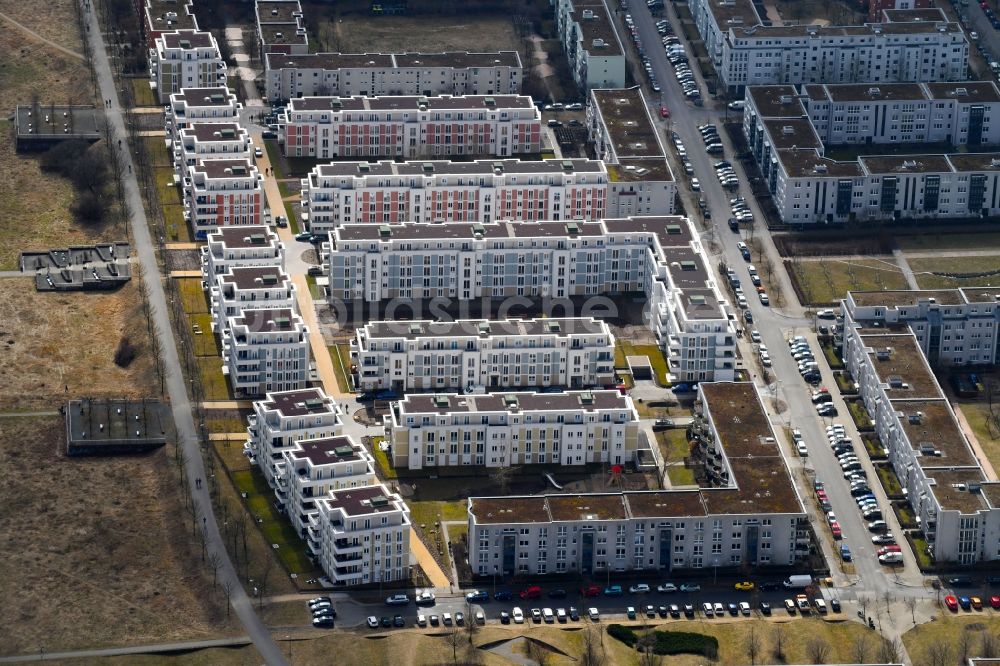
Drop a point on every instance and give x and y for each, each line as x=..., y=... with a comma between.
x=193, y=297
x=625, y=348
x=680, y=475
x=213, y=382
x=923, y=269
x=827, y=281
x=673, y=444
x=950, y=241
x=275, y=527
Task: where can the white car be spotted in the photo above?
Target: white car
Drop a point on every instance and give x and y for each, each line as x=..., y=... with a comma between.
x=372, y=622
x=421, y=620
x=257, y=152
x=593, y=614
x=755, y=336
x=745, y=608
x=695, y=185
x=639, y=588
x=801, y=448
x=518, y=615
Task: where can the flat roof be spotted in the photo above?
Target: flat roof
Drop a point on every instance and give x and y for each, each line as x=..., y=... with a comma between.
x=238, y=168
x=886, y=92
x=278, y=11
x=180, y=18
x=299, y=402
x=792, y=133
x=445, y=403
x=458, y=59
x=464, y=231
x=358, y=501
x=591, y=506
x=558, y=326
x=626, y=119
x=931, y=422
x=776, y=101
x=253, y=277
x=965, y=91
x=412, y=102
x=454, y=59
x=903, y=164
x=952, y=488
x=281, y=33
x=903, y=297
x=801, y=162
x=981, y=294
x=279, y=319
x=327, y=451
x=195, y=39
x=985, y=162
x=639, y=169
x=238, y=237
x=521, y=509
x=905, y=362
x=666, y=503
x=927, y=14
x=206, y=96
x=205, y=131
x=430, y=168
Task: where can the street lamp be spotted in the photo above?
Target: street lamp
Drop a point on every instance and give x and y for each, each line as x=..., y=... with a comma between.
x=495, y=580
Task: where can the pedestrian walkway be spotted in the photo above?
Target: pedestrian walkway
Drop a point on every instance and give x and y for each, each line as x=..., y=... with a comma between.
x=226, y=436
x=974, y=442
x=433, y=571
x=185, y=274
x=321, y=355
x=904, y=266
x=181, y=246
x=227, y=404
x=152, y=133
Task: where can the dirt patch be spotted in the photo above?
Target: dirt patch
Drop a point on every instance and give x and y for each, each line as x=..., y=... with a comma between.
x=57, y=345
x=184, y=260
x=821, y=244
x=96, y=551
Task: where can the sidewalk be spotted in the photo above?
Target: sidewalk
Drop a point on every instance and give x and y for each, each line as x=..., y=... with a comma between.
x=430, y=566
x=974, y=443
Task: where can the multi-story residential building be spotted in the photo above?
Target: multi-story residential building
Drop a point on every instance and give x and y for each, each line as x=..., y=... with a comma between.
x=810, y=188
x=381, y=74
x=411, y=127
x=660, y=257
x=185, y=59
x=361, y=536
x=482, y=191
x=596, y=56
x=240, y=247
x=313, y=468
x=575, y=352
x=754, y=517
x=157, y=17
x=208, y=141
x=887, y=339
x=255, y=287
x=280, y=28
x=876, y=8
x=190, y=105
x=502, y=430
x=286, y=419
x=265, y=351
x=748, y=50
x=223, y=192
x=626, y=138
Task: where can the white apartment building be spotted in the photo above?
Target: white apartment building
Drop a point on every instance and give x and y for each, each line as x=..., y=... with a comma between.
x=208, y=141
x=284, y=420
x=214, y=105
x=253, y=287
x=596, y=56
x=410, y=127
x=280, y=28
x=387, y=74
x=361, y=536
x=157, y=17
x=810, y=188
x=343, y=193
x=185, y=59
x=626, y=138
x=911, y=45
x=240, y=247
x=502, y=430
x=574, y=352
x=221, y=193
x=753, y=518
x=315, y=467
x=265, y=351
x=660, y=257
x=887, y=339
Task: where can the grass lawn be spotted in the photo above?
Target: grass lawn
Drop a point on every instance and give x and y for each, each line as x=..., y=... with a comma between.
x=220, y=420
x=168, y=192
x=142, y=93
x=923, y=268
x=340, y=356
x=673, y=444
x=427, y=515
x=193, y=297
x=157, y=150
x=832, y=357
x=827, y=281
x=680, y=475
x=948, y=629
x=977, y=414
x=889, y=481
x=384, y=465
x=950, y=241
x=432, y=33
x=458, y=533
x=293, y=218
x=656, y=409
x=924, y=561
x=859, y=414
x=625, y=348
x=231, y=455
x=904, y=513
x=213, y=382
x=175, y=225
x=204, y=342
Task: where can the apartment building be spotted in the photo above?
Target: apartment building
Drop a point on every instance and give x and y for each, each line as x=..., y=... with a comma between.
x=280, y=28
x=876, y=8
x=361, y=536
x=240, y=247
x=223, y=192
x=185, y=59
x=190, y=105
x=754, y=517
x=256, y=287
x=265, y=351
x=313, y=468
x=343, y=193
x=628, y=141
x=748, y=49
x=387, y=74
x=660, y=257
x=810, y=188
x=410, y=127
x=283, y=421
x=502, y=430
x=157, y=17
x=208, y=141
x=469, y=354
x=596, y=56
x=887, y=339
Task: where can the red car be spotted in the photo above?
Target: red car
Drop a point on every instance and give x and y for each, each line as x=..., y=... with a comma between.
x=590, y=591
x=664, y=112
x=994, y=602
x=835, y=528
x=533, y=592
x=951, y=602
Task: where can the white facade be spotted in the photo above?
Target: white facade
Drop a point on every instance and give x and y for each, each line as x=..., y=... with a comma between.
x=206, y=141
x=376, y=74
x=502, y=430
x=240, y=247
x=214, y=105
x=482, y=191
x=755, y=519
x=265, y=351
x=280, y=28
x=257, y=287
x=410, y=127
x=285, y=418
x=361, y=536
x=917, y=45
x=221, y=193
x=416, y=355
x=660, y=257
x=887, y=338
x=596, y=56
x=185, y=59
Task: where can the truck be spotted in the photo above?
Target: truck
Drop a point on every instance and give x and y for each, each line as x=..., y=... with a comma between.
x=798, y=582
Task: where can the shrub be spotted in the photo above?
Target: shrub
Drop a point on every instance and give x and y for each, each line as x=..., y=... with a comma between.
x=685, y=642
x=125, y=353
x=623, y=634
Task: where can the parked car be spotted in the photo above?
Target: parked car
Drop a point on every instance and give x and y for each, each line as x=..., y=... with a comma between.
x=613, y=591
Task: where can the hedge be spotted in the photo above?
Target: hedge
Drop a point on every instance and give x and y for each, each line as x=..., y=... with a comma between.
x=668, y=642
x=623, y=633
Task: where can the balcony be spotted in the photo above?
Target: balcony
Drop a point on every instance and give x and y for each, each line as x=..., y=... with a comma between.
x=345, y=547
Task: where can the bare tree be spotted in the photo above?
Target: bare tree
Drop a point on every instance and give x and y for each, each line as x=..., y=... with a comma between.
x=501, y=477
x=964, y=646
x=265, y=575
x=911, y=605
x=537, y=652
x=988, y=645
x=861, y=648
x=227, y=588
x=454, y=640
x=889, y=651
x=817, y=650
x=938, y=654
x=647, y=657
x=471, y=626
x=194, y=513
x=752, y=644
x=778, y=638
x=215, y=561
x=887, y=600
x=593, y=651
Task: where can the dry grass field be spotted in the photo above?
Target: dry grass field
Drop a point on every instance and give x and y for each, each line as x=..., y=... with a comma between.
x=54, y=20
x=96, y=550
x=50, y=341
x=29, y=65
x=428, y=34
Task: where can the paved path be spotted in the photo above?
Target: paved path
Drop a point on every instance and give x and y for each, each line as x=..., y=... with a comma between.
x=226, y=436
x=904, y=266
x=25, y=29
x=13, y=274
x=14, y=415
x=182, y=246
x=447, y=540
x=970, y=434
x=153, y=133
x=243, y=70
x=227, y=404
x=159, y=648
x=427, y=562
x=185, y=274
x=175, y=383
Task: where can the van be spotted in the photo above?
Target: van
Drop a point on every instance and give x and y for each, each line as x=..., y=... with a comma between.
x=890, y=558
